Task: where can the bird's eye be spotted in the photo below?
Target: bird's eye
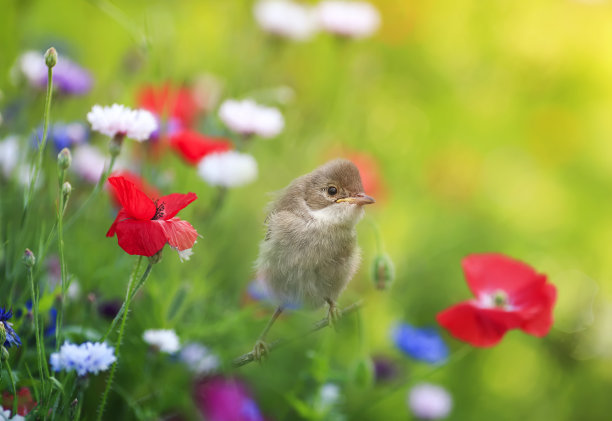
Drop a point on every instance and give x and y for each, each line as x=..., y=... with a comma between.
x=331, y=190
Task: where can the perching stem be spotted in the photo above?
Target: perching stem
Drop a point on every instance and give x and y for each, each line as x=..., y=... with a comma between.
x=250, y=356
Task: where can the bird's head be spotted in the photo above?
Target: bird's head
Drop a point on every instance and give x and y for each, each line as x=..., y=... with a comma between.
x=334, y=190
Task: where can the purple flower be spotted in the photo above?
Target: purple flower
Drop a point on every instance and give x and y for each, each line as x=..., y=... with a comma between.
x=225, y=399
x=424, y=344
x=384, y=369
x=68, y=76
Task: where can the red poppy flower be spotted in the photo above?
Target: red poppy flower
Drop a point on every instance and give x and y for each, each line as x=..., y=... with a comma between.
x=193, y=146
x=25, y=401
x=509, y=295
x=169, y=102
x=138, y=181
x=144, y=226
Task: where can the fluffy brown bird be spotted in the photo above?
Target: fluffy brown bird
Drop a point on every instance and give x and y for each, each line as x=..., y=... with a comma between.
x=310, y=251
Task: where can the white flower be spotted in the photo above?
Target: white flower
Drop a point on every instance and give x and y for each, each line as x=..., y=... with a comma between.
x=88, y=162
x=199, y=359
x=246, y=117
x=184, y=254
x=286, y=18
x=74, y=290
x=121, y=120
x=9, y=155
x=228, y=169
x=329, y=394
x=32, y=65
x=429, y=402
x=85, y=358
x=5, y=415
x=355, y=19
x=163, y=339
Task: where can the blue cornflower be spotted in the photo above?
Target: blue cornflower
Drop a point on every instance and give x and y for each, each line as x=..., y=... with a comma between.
x=424, y=344
x=85, y=358
x=64, y=135
x=11, y=336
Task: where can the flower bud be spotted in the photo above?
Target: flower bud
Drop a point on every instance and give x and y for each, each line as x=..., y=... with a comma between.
x=51, y=57
x=64, y=159
x=66, y=190
x=156, y=258
x=4, y=353
x=383, y=271
x=28, y=258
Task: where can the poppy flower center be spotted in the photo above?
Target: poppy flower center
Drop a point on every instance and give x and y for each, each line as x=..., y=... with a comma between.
x=159, y=210
x=496, y=299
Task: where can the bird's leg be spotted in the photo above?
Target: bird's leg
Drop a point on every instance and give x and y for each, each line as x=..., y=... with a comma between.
x=334, y=313
x=260, y=350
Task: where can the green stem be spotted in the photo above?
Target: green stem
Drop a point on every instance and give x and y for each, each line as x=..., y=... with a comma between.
x=63, y=270
x=128, y=298
x=39, y=344
x=41, y=145
x=12, y=378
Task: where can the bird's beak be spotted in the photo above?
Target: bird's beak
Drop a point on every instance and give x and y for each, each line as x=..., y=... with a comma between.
x=358, y=199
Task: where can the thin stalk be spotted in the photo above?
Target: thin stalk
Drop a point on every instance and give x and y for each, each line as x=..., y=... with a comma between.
x=41, y=145
x=128, y=300
x=12, y=378
x=63, y=270
x=39, y=344
x=128, y=297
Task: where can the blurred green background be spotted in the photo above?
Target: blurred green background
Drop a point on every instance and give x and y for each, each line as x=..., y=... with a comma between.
x=490, y=123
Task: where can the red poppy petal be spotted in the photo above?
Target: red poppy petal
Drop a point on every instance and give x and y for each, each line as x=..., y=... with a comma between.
x=142, y=238
x=121, y=215
x=539, y=325
x=479, y=327
x=140, y=183
x=173, y=203
x=489, y=272
x=193, y=146
x=135, y=202
x=180, y=234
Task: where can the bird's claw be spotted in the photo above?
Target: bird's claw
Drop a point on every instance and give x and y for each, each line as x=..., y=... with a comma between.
x=333, y=315
x=260, y=350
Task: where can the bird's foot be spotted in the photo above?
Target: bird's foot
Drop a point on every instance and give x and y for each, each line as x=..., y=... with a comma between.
x=260, y=350
x=334, y=314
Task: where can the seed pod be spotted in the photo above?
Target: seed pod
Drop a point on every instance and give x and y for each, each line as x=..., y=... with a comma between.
x=383, y=271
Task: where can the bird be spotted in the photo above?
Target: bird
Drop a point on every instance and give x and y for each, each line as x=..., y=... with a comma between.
x=310, y=252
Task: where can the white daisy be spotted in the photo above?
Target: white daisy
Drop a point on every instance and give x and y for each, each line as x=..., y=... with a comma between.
x=123, y=121
x=429, y=402
x=163, y=339
x=286, y=18
x=199, y=359
x=228, y=169
x=354, y=19
x=247, y=118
